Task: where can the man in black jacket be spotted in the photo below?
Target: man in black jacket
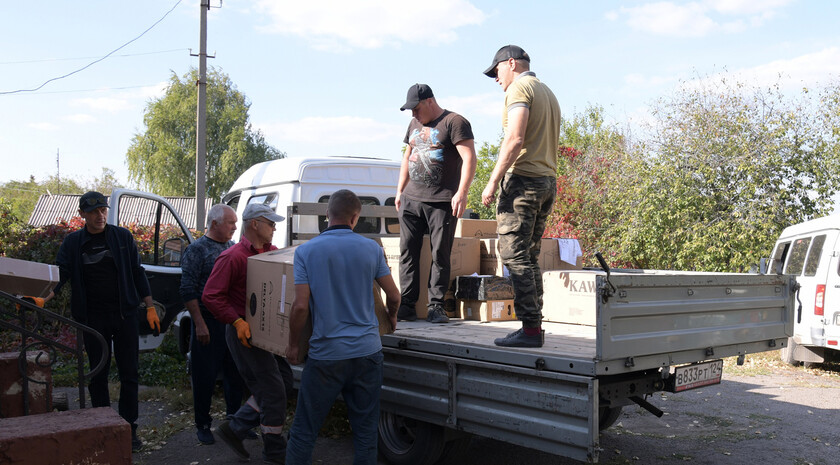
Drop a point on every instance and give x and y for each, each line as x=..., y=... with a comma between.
x=108, y=283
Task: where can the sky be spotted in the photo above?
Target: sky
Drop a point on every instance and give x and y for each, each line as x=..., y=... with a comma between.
x=327, y=78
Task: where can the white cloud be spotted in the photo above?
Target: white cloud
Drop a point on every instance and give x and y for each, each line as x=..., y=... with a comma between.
x=806, y=70
x=111, y=105
x=80, y=118
x=338, y=25
x=338, y=130
x=44, y=126
x=698, y=19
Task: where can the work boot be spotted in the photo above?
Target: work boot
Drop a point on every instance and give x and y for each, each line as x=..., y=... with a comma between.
x=518, y=338
x=406, y=313
x=231, y=439
x=437, y=314
x=136, y=443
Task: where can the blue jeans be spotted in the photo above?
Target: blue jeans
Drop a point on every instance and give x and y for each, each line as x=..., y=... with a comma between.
x=359, y=381
x=206, y=361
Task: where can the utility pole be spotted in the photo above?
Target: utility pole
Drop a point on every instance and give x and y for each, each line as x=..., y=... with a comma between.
x=201, y=123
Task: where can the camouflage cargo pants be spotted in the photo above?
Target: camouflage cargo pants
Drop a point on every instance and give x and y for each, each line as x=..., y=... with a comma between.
x=524, y=204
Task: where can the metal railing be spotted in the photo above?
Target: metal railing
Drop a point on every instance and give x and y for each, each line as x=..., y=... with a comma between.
x=31, y=323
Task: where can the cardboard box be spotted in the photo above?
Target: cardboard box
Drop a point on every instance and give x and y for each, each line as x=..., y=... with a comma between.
x=570, y=297
x=464, y=260
x=21, y=277
x=270, y=290
x=549, y=259
x=483, y=287
x=486, y=310
x=475, y=228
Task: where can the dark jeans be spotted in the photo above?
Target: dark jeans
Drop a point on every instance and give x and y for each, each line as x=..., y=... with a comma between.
x=359, y=381
x=122, y=332
x=524, y=205
x=266, y=407
x=416, y=218
x=206, y=361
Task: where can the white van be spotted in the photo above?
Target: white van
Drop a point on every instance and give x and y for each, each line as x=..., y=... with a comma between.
x=280, y=183
x=811, y=252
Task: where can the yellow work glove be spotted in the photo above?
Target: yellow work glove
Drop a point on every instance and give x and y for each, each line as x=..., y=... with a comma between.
x=243, y=332
x=152, y=318
x=33, y=300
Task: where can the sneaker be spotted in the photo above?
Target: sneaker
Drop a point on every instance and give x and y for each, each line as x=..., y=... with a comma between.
x=136, y=443
x=406, y=313
x=205, y=436
x=437, y=315
x=518, y=338
x=231, y=439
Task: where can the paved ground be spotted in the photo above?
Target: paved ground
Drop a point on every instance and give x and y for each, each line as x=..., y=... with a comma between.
x=789, y=417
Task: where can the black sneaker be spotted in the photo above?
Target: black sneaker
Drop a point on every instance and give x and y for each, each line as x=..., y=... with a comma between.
x=406, y=313
x=136, y=443
x=437, y=315
x=231, y=439
x=518, y=338
x=205, y=436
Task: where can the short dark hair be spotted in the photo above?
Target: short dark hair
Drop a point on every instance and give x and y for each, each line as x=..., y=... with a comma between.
x=343, y=204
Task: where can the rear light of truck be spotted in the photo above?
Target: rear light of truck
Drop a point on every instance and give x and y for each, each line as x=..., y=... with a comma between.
x=819, y=300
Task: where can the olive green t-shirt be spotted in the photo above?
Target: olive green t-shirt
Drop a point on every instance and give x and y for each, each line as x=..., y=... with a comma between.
x=538, y=156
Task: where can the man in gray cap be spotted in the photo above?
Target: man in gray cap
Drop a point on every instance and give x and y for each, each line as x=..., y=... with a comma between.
x=527, y=171
x=224, y=296
x=437, y=169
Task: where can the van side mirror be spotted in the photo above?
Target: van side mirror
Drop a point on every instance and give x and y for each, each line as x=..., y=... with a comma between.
x=172, y=250
x=762, y=266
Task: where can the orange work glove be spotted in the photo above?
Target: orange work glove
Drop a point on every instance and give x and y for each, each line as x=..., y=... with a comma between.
x=33, y=300
x=243, y=332
x=152, y=318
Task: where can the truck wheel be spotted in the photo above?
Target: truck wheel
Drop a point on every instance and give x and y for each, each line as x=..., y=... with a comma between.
x=607, y=416
x=786, y=353
x=406, y=441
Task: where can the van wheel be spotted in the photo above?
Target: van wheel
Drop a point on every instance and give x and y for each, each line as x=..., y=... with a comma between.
x=607, y=416
x=786, y=353
x=406, y=441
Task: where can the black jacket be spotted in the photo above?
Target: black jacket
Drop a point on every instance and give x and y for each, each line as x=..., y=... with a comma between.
x=131, y=277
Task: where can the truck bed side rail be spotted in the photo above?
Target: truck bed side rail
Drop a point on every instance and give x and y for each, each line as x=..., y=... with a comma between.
x=320, y=209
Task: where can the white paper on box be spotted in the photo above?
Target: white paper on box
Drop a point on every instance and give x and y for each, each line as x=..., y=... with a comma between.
x=283, y=295
x=498, y=308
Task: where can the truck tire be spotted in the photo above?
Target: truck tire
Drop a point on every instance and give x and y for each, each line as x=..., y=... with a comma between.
x=786, y=353
x=607, y=416
x=406, y=441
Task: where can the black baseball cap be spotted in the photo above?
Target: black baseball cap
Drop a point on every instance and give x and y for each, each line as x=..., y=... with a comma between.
x=92, y=200
x=505, y=53
x=416, y=93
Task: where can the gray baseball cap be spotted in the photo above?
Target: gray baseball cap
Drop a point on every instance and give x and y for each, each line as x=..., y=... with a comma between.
x=257, y=210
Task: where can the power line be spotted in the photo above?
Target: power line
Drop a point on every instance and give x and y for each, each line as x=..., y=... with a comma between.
x=46, y=60
x=98, y=60
x=95, y=90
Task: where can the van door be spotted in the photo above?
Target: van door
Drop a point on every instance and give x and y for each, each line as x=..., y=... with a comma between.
x=831, y=303
x=810, y=260
x=161, y=237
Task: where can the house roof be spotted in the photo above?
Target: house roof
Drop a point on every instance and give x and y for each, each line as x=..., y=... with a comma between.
x=51, y=209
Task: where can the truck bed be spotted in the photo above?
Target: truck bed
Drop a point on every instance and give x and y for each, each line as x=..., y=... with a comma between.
x=652, y=320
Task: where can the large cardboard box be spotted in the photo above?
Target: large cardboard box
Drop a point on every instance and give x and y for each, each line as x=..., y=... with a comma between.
x=549, y=259
x=475, y=228
x=486, y=310
x=464, y=260
x=21, y=277
x=270, y=291
x=483, y=287
x=570, y=297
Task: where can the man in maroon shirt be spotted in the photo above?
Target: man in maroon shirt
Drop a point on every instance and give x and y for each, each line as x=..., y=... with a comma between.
x=224, y=296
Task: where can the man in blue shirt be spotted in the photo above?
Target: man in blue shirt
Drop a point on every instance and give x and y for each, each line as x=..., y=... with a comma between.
x=334, y=276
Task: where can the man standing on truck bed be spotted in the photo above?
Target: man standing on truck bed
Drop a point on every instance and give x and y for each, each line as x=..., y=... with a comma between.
x=527, y=169
x=437, y=169
x=224, y=296
x=108, y=283
x=334, y=276
x=209, y=353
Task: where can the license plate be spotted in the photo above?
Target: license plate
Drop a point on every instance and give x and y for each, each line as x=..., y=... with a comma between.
x=697, y=375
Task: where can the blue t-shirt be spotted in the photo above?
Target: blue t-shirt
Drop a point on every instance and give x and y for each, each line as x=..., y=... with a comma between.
x=340, y=267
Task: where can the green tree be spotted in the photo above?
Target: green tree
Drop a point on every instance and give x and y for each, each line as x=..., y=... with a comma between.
x=725, y=168
x=162, y=158
x=486, y=161
x=22, y=196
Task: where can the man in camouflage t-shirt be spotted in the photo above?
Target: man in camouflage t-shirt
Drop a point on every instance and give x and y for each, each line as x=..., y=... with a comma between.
x=437, y=169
